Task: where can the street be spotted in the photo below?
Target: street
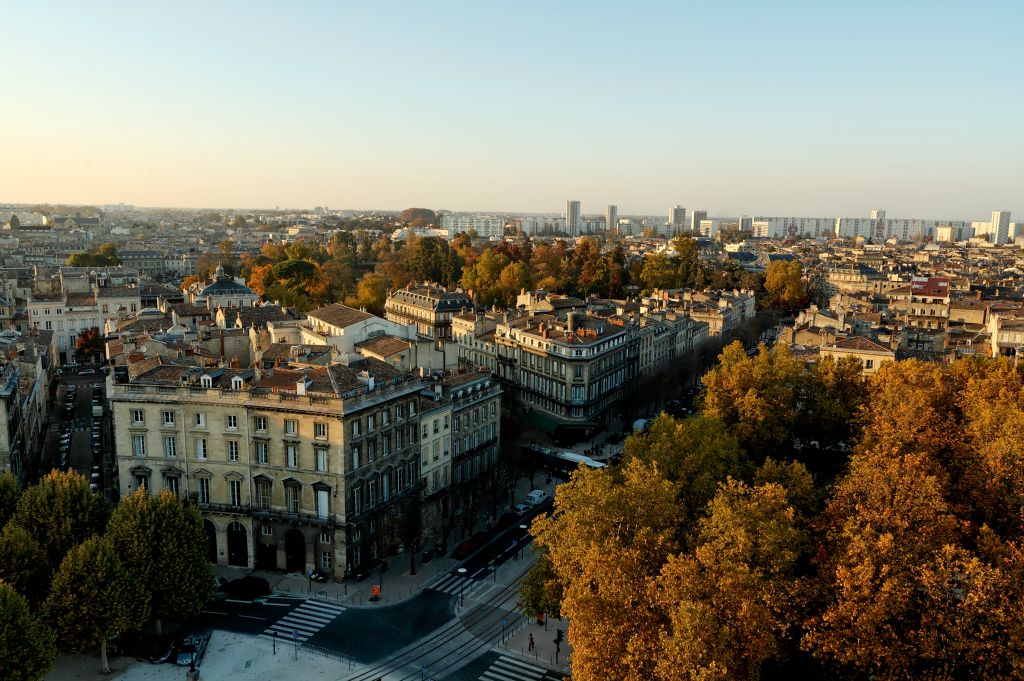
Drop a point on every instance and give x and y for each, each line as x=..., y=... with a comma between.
x=81, y=457
x=449, y=630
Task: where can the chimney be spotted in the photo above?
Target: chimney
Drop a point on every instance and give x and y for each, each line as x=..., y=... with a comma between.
x=235, y=364
x=570, y=321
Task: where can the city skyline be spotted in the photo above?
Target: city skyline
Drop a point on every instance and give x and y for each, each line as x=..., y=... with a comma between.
x=800, y=109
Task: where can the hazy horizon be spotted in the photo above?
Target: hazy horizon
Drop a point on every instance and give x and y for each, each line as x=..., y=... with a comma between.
x=813, y=109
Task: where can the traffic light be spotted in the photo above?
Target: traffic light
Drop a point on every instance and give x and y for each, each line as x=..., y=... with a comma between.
x=558, y=636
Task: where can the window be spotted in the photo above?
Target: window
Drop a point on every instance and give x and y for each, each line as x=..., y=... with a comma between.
x=142, y=481
x=357, y=500
x=386, y=445
x=291, y=498
x=49, y=325
x=446, y=422
x=371, y=497
x=232, y=422
x=325, y=537
x=385, y=418
x=398, y=439
x=412, y=409
x=321, y=459
x=385, y=484
x=426, y=431
x=356, y=463
x=325, y=560
x=171, y=484
x=168, y=418
x=233, y=451
x=292, y=455
x=320, y=430
x=437, y=426
x=355, y=428
x=263, y=492
x=371, y=451
x=260, y=422
x=371, y=423
x=138, y=416
x=266, y=530
x=200, y=420
x=235, y=487
x=170, y=446
x=437, y=451
x=291, y=427
x=204, y=490
x=201, y=449
x=261, y=453
x=457, y=428
x=493, y=408
x=869, y=364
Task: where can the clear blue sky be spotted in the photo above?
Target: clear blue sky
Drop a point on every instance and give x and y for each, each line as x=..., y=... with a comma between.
x=772, y=108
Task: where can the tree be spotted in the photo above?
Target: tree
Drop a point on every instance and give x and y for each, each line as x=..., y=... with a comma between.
x=23, y=563
x=607, y=540
x=182, y=580
x=659, y=272
x=27, y=648
x=14, y=223
x=131, y=533
x=783, y=280
x=60, y=512
x=418, y=217
x=731, y=601
x=541, y=592
x=92, y=600
x=371, y=293
x=89, y=343
x=888, y=516
x=10, y=492
x=758, y=397
x=696, y=454
x=188, y=281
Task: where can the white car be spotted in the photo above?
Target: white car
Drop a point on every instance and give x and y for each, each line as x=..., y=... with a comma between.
x=536, y=497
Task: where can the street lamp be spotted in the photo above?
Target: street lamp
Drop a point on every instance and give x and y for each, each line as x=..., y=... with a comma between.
x=522, y=541
x=462, y=587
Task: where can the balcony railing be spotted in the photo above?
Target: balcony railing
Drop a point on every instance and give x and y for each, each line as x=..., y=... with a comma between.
x=269, y=513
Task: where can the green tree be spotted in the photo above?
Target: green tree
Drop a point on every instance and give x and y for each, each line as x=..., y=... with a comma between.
x=14, y=223
x=541, y=592
x=93, y=599
x=181, y=578
x=23, y=563
x=27, y=648
x=131, y=532
x=659, y=272
x=10, y=492
x=60, y=512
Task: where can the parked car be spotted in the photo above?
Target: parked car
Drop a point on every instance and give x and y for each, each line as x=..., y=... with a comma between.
x=87, y=372
x=469, y=546
x=521, y=509
x=247, y=588
x=536, y=497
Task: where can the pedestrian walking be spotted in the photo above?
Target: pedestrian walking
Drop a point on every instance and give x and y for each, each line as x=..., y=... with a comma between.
x=530, y=646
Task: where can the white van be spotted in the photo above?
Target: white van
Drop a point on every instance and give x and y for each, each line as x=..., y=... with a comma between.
x=536, y=497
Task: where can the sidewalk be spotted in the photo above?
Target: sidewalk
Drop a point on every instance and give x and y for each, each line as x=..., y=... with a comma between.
x=398, y=583
x=517, y=644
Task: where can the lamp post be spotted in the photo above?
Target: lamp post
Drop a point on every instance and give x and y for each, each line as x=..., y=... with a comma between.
x=462, y=586
x=522, y=541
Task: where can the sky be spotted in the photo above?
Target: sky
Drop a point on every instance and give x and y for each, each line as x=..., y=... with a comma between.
x=760, y=108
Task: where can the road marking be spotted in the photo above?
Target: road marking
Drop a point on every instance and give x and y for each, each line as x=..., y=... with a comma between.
x=305, y=621
x=214, y=612
x=252, y=617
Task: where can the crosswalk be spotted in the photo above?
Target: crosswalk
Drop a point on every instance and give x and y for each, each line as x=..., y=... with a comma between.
x=304, y=622
x=452, y=584
x=512, y=669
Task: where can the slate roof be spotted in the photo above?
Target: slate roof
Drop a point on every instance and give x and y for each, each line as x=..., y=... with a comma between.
x=339, y=315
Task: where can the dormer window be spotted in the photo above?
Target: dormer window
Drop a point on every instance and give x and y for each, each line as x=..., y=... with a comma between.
x=237, y=383
x=206, y=381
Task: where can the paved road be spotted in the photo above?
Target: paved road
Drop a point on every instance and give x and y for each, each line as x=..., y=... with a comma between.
x=494, y=666
x=80, y=425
